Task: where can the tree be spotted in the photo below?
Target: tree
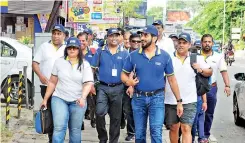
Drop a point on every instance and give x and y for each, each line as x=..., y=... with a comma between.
x=156, y=13
x=210, y=19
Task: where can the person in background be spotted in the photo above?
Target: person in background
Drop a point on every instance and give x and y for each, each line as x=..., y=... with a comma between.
x=163, y=42
x=70, y=83
x=175, y=39
x=92, y=45
x=121, y=32
x=44, y=59
x=67, y=35
x=126, y=40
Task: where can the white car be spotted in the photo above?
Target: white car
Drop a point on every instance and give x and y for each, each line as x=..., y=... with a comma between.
x=14, y=56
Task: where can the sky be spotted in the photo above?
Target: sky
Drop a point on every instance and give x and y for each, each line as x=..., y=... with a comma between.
x=153, y=3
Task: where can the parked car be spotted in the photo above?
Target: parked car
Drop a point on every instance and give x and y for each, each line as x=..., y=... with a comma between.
x=14, y=56
x=239, y=100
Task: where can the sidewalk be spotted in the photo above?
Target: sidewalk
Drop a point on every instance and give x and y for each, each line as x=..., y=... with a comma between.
x=23, y=131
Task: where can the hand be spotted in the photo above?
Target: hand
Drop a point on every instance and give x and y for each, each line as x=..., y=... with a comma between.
x=44, y=103
x=130, y=91
x=179, y=109
x=196, y=66
x=204, y=107
x=227, y=91
x=93, y=91
x=81, y=102
x=43, y=79
x=133, y=82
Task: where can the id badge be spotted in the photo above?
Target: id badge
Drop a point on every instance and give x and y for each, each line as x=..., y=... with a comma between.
x=114, y=72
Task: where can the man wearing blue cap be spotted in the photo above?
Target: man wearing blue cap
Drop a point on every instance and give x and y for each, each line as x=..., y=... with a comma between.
x=187, y=85
x=149, y=65
x=109, y=61
x=175, y=39
x=163, y=42
x=90, y=38
x=45, y=57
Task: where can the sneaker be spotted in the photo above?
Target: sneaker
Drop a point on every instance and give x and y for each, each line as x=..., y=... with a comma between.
x=123, y=124
x=203, y=141
x=129, y=138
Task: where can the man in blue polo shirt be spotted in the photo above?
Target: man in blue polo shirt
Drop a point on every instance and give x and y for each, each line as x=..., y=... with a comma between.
x=150, y=64
x=109, y=60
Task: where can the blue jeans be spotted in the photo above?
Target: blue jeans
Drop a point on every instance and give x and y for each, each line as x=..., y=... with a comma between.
x=211, y=103
x=154, y=107
x=67, y=113
x=198, y=124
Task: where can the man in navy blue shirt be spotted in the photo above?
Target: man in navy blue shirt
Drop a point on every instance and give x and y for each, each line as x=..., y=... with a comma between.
x=149, y=64
x=109, y=61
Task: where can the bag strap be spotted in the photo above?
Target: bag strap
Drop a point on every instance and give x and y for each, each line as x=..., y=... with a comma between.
x=100, y=52
x=193, y=57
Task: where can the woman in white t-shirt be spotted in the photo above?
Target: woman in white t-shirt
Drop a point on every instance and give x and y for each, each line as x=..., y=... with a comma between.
x=70, y=83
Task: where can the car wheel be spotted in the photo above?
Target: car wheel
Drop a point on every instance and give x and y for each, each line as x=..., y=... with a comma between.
x=14, y=91
x=237, y=119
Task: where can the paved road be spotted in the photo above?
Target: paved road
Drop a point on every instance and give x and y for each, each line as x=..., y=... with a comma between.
x=224, y=128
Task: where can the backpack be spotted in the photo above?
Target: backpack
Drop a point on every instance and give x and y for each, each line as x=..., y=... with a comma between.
x=202, y=82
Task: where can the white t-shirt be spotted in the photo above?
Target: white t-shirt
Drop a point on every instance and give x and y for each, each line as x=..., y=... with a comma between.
x=46, y=56
x=166, y=44
x=71, y=79
x=185, y=77
x=217, y=63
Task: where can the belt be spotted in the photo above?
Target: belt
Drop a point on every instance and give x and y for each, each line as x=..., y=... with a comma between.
x=214, y=84
x=110, y=84
x=151, y=93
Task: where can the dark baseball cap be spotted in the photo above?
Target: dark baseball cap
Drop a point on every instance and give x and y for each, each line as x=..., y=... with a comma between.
x=149, y=29
x=173, y=36
x=73, y=42
x=59, y=27
x=112, y=31
x=197, y=43
x=185, y=36
x=157, y=22
x=88, y=31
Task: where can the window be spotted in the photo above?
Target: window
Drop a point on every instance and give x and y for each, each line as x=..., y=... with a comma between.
x=7, y=50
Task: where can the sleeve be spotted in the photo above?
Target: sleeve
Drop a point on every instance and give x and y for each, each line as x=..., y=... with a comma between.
x=38, y=57
x=87, y=73
x=94, y=61
x=203, y=64
x=125, y=56
x=55, y=68
x=169, y=69
x=128, y=66
x=222, y=64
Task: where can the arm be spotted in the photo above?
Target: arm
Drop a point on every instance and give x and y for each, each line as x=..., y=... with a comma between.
x=204, y=102
x=227, y=83
x=86, y=89
x=205, y=72
x=51, y=87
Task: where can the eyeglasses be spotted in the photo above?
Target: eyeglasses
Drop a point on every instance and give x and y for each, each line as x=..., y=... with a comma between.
x=72, y=48
x=135, y=41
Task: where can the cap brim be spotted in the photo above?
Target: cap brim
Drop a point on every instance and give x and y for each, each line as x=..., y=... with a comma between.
x=72, y=45
x=58, y=30
x=174, y=37
x=184, y=39
x=114, y=33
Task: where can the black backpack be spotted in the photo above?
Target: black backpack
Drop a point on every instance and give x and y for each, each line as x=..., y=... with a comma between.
x=202, y=82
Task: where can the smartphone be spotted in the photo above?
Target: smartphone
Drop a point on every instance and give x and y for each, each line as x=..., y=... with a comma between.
x=134, y=71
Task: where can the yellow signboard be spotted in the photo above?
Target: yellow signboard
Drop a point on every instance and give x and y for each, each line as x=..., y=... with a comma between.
x=79, y=11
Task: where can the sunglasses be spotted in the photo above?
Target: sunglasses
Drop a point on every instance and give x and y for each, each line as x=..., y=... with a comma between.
x=72, y=48
x=135, y=41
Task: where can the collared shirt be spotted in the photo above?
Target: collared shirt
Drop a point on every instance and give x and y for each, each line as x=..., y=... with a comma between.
x=46, y=55
x=71, y=79
x=150, y=72
x=186, y=79
x=110, y=66
x=166, y=44
x=217, y=63
x=88, y=55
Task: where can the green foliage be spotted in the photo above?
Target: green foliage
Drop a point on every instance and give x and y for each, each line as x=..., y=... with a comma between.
x=156, y=12
x=210, y=19
x=25, y=40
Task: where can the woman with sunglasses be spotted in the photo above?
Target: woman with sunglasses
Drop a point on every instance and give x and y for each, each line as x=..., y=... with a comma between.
x=71, y=81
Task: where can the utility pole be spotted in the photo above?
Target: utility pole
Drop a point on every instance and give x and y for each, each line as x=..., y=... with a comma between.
x=223, y=41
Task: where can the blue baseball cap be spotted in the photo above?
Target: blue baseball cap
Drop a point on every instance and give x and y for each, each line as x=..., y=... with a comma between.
x=157, y=22
x=149, y=29
x=73, y=42
x=112, y=31
x=173, y=36
x=197, y=43
x=88, y=31
x=185, y=36
x=59, y=27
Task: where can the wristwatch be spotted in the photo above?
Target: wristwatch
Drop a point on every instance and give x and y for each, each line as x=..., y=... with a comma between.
x=227, y=86
x=180, y=100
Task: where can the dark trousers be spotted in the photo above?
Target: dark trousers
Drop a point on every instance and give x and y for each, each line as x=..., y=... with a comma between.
x=109, y=100
x=211, y=103
x=43, y=91
x=127, y=109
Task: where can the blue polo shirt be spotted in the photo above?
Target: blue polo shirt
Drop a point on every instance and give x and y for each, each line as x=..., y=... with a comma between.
x=88, y=55
x=110, y=66
x=150, y=72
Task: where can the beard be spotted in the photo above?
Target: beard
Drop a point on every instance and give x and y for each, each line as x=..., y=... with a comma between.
x=207, y=48
x=147, y=44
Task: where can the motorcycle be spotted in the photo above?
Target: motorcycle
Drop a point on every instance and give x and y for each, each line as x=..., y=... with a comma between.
x=229, y=57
